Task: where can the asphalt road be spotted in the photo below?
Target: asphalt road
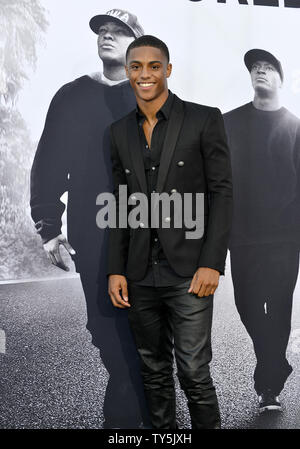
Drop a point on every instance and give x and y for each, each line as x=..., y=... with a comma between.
x=52, y=377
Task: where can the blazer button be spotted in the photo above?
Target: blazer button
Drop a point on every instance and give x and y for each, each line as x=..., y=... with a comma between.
x=127, y=171
x=168, y=219
x=173, y=191
x=180, y=164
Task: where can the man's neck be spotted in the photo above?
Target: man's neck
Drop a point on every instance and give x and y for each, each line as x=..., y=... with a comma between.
x=150, y=108
x=267, y=103
x=114, y=72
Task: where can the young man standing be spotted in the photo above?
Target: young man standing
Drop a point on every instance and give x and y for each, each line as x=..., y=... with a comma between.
x=264, y=140
x=166, y=280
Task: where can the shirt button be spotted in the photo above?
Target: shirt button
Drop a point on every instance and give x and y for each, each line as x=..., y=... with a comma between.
x=180, y=164
x=153, y=168
x=156, y=239
x=155, y=262
x=127, y=171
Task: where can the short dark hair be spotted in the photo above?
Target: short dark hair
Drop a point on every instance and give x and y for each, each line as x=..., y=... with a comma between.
x=149, y=41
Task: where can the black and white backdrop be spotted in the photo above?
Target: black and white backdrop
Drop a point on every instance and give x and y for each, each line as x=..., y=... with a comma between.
x=50, y=375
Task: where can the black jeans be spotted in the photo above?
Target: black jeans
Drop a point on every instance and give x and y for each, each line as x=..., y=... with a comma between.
x=264, y=278
x=162, y=318
x=124, y=403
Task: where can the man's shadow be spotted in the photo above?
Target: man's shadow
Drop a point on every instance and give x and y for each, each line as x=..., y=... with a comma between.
x=267, y=420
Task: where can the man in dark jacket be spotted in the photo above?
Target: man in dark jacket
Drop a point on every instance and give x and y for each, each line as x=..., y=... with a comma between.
x=171, y=147
x=73, y=156
x=264, y=139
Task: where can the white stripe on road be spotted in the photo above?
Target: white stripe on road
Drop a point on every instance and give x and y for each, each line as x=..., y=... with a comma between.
x=2, y=342
x=27, y=281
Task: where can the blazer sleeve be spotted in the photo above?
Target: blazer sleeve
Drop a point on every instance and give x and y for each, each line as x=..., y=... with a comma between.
x=217, y=165
x=49, y=172
x=118, y=237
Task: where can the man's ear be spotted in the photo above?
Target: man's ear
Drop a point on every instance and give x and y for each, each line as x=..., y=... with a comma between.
x=169, y=70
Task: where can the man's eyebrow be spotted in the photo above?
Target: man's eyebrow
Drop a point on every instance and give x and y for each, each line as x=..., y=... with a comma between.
x=151, y=62
x=263, y=63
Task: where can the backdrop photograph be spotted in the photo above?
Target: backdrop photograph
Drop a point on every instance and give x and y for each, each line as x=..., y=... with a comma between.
x=68, y=357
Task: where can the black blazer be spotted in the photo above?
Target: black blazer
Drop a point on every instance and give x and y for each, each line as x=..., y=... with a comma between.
x=195, y=158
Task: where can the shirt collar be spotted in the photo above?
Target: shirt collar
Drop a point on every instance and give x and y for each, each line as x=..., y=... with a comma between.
x=164, y=111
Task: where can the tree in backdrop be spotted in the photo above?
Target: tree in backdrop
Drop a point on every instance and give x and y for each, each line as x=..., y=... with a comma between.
x=23, y=24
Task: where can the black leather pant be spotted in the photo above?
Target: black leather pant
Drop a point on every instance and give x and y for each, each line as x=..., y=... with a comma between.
x=162, y=318
x=264, y=278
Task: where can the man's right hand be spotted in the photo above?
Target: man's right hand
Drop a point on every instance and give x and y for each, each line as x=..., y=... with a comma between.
x=53, y=253
x=117, y=283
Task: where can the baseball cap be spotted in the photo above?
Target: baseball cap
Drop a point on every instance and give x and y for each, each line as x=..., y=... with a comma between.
x=257, y=54
x=117, y=15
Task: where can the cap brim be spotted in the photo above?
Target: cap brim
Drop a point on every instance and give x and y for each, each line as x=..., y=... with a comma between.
x=97, y=21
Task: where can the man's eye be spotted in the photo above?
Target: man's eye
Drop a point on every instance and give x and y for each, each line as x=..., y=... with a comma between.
x=155, y=67
x=270, y=68
x=134, y=67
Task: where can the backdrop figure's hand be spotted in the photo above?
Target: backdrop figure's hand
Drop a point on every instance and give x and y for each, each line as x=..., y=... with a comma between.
x=204, y=282
x=53, y=252
x=117, y=283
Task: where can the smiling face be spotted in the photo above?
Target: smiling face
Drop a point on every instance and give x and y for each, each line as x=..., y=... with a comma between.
x=147, y=70
x=113, y=41
x=265, y=78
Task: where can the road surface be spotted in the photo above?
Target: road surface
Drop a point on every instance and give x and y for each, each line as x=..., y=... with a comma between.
x=52, y=377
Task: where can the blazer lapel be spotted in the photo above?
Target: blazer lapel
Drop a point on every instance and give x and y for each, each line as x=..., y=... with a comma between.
x=134, y=144
x=173, y=130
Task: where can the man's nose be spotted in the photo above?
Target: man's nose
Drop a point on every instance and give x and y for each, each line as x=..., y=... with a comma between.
x=261, y=70
x=108, y=35
x=145, y=73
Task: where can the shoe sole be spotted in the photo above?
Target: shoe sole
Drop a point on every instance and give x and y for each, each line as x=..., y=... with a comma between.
x=277, y=408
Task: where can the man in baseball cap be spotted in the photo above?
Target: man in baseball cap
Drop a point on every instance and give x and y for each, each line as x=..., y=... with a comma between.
x=116, y=30
x=256, y=54
x=72, y=156
x=264, y=140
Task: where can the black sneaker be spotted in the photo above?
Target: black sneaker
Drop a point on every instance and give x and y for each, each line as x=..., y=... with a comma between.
x=268, y=401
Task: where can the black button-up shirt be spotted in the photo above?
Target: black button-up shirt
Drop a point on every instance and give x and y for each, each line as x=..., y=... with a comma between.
x=159, y=272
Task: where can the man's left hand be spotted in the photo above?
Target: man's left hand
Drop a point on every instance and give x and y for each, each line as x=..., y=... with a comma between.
x=204, y=282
